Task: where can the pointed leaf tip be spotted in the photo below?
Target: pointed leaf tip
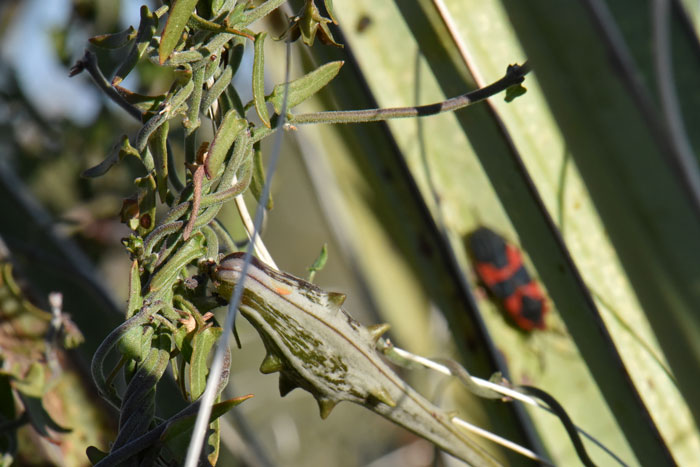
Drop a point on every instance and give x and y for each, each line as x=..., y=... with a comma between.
x=382, y=395
x=336, y=298
x=271, y=364
x=326, y=406
x=286, y=384
x=378, y=330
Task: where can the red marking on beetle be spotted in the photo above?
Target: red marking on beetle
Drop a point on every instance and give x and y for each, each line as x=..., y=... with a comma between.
x=500, y=267
x=530, y=319
x=491, y=274
x=282, y=291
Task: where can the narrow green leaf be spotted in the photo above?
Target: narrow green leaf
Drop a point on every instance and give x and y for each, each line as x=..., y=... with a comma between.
x=319, y=263
x=143, y=102
x=181, y=425
x=212, y=242
x=147, y=27
x=130, y=343
x=258, y=181
x=212, y=67
x=329, y=9
x=114, y=41
x=236, y=54
x=39, y=418
x=170, y=108
x=242, y=150
x=180, y=12
x=159, y=148
x=146, y=344
x=194, y=101
x=185, y=344
x=133, y=304
x=304, y=87
x=217, y=88
x=259, y=79
x=120, y=150
x=230, y=127
x=216, y=5
x=202, y=344
x=214, y=441
x=168, y=273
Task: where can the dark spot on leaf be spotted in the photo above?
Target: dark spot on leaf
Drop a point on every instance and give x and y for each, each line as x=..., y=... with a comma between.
x=363, y=23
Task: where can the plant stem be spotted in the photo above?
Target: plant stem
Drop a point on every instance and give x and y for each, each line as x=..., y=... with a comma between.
x=89, y=63
x=514, y=75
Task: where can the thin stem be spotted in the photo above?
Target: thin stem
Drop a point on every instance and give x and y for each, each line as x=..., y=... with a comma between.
x=216, y=369
x=216, y=27
x=261, y=11
x=393, y=352
x=514, y=75
x=89, y=63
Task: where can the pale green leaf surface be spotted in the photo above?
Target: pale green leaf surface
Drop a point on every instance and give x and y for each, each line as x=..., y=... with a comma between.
x=548, y=170
x=646, y=215
x=467, y=200
x=177, y=20
x=544, y=149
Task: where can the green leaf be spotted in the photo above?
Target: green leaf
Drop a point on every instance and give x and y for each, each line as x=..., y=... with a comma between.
x=158, y=146
x=258, y=181
x=118, y=152
x=304, y=87
x=39, y=418
x=230, y=127
x=219, y=86
x=143, y=102
x=184, y=424
x=166, y=276
x=329, y=8
x=130, y=343
x=214, y=441
x=180, y=13
x=259, y=79
x=134, y=302
x=170, y=108
x=114, y=41
x=202, y=344
x=180, y=339
x=319, y=263
x=514, y=91
x=194, y=102
x=312, y=22
x=147, y=27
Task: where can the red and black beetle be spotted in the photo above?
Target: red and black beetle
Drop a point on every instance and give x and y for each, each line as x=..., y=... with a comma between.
x=500, y=267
